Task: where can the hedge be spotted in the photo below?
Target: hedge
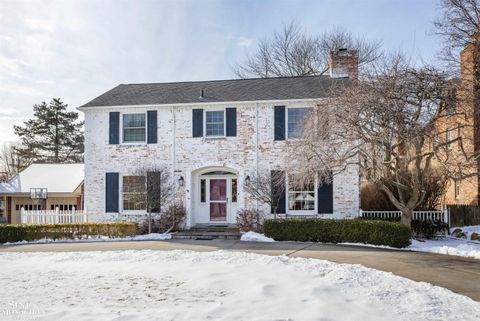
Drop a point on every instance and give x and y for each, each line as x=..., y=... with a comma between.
x=339, y=231
x=16, y=233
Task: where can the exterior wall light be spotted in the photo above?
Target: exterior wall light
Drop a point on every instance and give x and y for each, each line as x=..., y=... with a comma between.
x=181, y=181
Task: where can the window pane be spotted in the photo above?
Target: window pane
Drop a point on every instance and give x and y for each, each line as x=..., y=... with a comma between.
x=215, y=129
x=133, y=192
x=296, y=117
x=301, y=201
x=295, y=184
x=134, y=120
x=214, y=125
x=134, y=128
x=203, y=190
x=134, y=135
x=234, y=190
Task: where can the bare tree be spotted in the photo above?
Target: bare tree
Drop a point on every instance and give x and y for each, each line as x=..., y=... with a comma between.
x=267, y=188
x=393, y=125
x=291, y=52
x=152, y=190
x=10, y=162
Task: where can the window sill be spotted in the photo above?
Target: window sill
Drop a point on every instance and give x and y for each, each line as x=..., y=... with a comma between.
x=302, y=213
x=134, y=144
x=215, y=138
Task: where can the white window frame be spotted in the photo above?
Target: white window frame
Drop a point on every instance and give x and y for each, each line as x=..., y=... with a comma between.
x=287, y=194
x=287, y=135
x=123, y=211
x=144, y=142
x=223, y=110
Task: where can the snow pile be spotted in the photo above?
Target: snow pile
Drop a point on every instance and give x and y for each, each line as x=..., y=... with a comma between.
x=255, y=237
x=468, y=230
x=183, y=285
x=145, y=237
x=450, y=246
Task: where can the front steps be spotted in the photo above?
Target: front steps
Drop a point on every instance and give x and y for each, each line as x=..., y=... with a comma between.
x=209, y=232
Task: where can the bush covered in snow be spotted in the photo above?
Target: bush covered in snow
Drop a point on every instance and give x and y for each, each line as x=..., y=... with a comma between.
x=339, y=231
x=17, y=233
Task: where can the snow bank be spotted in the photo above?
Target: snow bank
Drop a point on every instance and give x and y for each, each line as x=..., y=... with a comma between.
x=468, y=230
x=255, y=237
x=450, y=246
x=447, y=245
x=183, y=285
x=145, y=237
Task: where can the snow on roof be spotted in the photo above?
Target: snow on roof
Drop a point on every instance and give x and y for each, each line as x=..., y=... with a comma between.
x=57, y=178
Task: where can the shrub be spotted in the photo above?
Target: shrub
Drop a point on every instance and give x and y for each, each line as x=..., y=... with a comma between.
x=339, y=231
x=428, y=228
x=171, y=219
x=250, y=220
x=16, y=233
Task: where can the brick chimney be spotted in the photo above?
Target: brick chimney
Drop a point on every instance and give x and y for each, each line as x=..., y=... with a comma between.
x=343, y=63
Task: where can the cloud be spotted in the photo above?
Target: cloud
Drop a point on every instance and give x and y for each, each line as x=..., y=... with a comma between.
x=244, y=42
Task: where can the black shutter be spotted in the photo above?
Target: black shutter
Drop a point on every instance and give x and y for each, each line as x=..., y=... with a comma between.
x=151, y=127
x=278, y=190
x=114, y=130
x=231, y=115
x=153, y=191
x=112, y=192
x=279, y=122
x=197, y=119
x=325, y=197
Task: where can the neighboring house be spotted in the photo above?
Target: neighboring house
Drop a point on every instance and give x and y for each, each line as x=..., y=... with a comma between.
x=63, y=184
x=212, y=135
x=464, y=125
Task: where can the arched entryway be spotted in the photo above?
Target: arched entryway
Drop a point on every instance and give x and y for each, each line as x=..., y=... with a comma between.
x=214, y=196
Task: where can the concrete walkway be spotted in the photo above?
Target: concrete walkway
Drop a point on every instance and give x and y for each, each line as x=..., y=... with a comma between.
x=460, y=275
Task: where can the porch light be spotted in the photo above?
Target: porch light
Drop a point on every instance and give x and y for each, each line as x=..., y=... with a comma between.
x=181, y=181
x=247, y=179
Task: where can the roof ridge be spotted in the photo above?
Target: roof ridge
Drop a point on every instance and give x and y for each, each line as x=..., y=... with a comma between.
x=220, y=80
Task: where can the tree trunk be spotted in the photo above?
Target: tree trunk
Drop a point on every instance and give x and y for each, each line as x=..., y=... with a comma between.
x=406, y=218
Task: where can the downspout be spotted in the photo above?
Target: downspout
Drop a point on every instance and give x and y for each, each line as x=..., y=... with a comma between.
x=172, y=109
x=256, y=150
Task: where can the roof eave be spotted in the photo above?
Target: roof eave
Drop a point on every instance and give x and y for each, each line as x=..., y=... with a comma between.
x=84, y=107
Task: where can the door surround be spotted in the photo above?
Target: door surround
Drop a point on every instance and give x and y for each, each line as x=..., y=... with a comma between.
x=202, y=198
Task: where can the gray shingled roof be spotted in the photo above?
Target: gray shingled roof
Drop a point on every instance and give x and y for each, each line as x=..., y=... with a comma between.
x=217, y=91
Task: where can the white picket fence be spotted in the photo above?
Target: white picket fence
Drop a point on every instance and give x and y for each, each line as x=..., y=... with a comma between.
x=53, y=216
x=443, y=216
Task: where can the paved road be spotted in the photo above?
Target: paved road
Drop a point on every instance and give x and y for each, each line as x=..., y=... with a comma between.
x=461, y=275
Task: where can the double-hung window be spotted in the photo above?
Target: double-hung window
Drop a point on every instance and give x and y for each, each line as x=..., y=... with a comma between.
x=301, y=195
x=296, y=119
x=134, y=193
x=134, y=130
x=215, y=123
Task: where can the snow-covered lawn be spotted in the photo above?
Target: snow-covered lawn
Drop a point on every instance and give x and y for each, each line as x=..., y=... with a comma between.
x=145, y=237
x=183, y=285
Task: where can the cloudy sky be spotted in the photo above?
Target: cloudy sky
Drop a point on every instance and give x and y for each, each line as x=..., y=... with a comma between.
x=77, y=50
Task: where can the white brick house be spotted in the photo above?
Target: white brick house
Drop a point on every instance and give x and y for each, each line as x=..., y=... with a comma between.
x=212, y=135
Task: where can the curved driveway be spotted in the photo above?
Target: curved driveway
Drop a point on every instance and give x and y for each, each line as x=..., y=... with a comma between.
x=460, y=275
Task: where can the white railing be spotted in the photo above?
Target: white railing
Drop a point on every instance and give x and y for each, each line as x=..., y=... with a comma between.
x=53, y=217
x=443, y=216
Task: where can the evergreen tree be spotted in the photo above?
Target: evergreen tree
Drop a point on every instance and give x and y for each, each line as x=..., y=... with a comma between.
x=54, y=135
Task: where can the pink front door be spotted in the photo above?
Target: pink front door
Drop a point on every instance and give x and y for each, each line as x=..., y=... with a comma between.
x=218, y=200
